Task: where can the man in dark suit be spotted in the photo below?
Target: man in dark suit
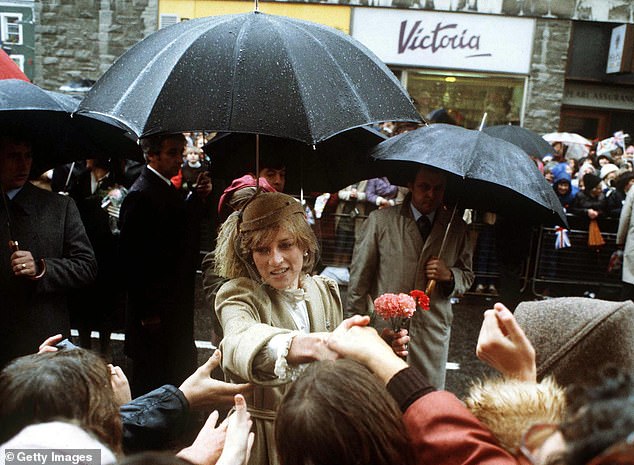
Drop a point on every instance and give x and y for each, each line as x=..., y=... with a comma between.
x=52, y=255
x=160, y=245
x=96, y=306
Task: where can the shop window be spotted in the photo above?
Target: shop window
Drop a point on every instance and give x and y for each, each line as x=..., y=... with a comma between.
x=11, y=28
x=467, y=96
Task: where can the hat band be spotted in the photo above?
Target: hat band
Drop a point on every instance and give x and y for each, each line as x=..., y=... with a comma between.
x=275, y=216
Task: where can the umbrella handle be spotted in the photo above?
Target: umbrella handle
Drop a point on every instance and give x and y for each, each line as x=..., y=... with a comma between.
x=13, y=245
x=431, y=285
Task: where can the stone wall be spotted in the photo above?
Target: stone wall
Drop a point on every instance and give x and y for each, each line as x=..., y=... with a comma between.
x=82, y=38
x=547, y=75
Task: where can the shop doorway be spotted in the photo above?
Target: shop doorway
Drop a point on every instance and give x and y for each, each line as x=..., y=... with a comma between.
x=590, y=123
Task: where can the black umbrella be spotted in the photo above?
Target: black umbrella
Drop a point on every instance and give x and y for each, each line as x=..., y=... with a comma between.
x=326, y=167
x=45, y=117
x=485, y=173
x=529, y=141
x=249, y=73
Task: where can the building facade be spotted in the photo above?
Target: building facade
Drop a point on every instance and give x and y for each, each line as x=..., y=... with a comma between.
x=539, y=63
x=502, y=61
x=17, y=33
x=78, y=40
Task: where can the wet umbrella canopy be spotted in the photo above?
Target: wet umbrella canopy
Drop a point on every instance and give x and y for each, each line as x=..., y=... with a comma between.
x=249, y=73
x=45, y=118
x=485, y=173
x=328, y=167
x=529, y=141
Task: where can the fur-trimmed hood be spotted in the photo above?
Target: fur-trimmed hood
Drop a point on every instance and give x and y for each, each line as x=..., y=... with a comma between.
x=509, y=407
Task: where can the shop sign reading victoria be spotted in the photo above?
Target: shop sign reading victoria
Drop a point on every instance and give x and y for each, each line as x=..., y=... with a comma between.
x=446, y=40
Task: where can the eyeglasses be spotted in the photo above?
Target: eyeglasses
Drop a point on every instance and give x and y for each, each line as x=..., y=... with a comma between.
x=533, y=441
x=621, y=453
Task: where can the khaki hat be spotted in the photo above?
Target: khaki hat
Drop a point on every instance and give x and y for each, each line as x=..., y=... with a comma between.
x=574, y=336
x=268, y=208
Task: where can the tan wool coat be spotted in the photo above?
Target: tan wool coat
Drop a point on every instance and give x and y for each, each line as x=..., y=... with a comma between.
x=252, y=313
x=390, y=256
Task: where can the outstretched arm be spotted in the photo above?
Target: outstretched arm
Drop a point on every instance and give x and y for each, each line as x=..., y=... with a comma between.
x=201, y=390
x=239, y=436
x=364, y=345
x=311, y=347
x=503, y=345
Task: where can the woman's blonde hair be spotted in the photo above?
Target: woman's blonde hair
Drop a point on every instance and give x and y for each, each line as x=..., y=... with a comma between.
x=234, y=247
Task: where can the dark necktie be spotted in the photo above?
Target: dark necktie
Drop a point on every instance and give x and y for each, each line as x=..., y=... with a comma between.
x=424, y=226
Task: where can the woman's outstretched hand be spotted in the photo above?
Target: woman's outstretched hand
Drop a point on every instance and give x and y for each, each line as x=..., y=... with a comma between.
x=312, y=347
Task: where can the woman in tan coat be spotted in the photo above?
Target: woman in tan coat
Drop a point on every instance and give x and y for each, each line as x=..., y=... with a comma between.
x=275, y=316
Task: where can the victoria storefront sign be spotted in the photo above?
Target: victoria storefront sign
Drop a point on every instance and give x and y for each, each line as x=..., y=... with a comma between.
x=446, y=40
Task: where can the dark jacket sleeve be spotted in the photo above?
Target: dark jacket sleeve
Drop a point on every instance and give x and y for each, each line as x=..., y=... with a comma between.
x=151, y=421
x=78, y=266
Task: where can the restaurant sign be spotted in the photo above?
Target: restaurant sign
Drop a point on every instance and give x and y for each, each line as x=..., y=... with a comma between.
x=599, y=96
x=446, y=40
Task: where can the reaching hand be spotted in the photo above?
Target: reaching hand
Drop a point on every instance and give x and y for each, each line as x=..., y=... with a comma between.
x=120, y=385
x=354, y=320
x=239, y=438
x=503, y=345
x=201, y=390
x=364, y=345
x=311, y=347
x=49, y=344
x=208, y=445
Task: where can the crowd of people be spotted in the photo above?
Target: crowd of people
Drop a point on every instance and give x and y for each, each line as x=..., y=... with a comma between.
x=311, y=375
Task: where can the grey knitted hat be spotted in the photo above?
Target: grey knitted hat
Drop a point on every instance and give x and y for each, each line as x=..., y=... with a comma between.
x=574, y=337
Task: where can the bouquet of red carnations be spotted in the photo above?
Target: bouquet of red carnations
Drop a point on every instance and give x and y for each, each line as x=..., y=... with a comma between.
x=398, y=308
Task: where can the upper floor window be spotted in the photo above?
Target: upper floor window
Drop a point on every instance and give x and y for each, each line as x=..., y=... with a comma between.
x=11, y=28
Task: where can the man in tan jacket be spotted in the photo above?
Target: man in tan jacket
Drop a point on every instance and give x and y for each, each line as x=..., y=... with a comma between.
x=397, y=251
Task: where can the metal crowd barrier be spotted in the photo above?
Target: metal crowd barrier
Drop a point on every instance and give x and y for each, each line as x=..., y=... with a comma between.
x=546, y=271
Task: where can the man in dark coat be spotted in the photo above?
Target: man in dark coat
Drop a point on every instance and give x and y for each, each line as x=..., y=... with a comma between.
x=95, y=306
x=53, y=255
x=159, y=245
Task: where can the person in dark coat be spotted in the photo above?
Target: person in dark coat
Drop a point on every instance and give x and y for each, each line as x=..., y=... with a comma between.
x=54, y=255
x=94, y=307
x=616, y=199
x=589, y=202
x=159, y=245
